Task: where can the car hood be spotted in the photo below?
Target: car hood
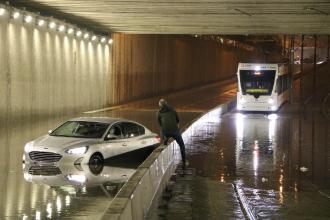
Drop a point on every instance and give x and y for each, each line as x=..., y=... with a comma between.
x=56, y=143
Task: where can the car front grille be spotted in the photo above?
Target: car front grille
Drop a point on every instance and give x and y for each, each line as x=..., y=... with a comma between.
x=44, y=170
x=44, y=156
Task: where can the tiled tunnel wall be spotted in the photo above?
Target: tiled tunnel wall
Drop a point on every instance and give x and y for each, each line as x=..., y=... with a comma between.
x=45, y=73
x=147, y=65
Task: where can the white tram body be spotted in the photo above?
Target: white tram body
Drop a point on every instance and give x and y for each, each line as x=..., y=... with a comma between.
x=261, y=86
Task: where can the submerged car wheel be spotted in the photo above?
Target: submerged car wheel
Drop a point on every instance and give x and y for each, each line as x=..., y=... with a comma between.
x=96, y=159
x=95, y=169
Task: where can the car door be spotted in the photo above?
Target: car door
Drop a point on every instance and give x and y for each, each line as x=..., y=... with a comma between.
x=132, y=135
x=115, y=144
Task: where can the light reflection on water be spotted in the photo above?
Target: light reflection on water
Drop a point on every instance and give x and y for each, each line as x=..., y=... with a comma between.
x=59, y=190
x=259, y=152
x=256, y=142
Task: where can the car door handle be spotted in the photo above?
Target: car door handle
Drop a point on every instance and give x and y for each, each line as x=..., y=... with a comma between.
x=124, y=145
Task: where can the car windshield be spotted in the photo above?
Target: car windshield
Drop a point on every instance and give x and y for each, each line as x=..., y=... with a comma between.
x=81, y=129
x=257, y=82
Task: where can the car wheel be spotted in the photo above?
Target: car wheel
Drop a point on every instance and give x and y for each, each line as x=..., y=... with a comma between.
x=96, y=159
x=95, y=169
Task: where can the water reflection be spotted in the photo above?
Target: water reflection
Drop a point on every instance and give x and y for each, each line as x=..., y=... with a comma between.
x=27, y=200
x=255, y=143
x=78, y=175
x=68, y=184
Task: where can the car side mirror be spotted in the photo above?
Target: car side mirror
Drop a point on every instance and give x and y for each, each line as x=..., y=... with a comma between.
x=50, y=131
x=110, y=137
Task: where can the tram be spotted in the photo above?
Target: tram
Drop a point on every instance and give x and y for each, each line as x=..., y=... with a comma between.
x=262, y=86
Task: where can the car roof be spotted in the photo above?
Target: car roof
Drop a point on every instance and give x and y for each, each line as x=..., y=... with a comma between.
x=99, y=119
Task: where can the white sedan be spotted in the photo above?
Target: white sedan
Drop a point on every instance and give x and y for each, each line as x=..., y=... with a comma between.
x=89, y=140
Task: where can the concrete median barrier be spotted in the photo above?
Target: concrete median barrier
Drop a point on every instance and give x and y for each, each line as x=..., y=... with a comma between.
x=146, y=184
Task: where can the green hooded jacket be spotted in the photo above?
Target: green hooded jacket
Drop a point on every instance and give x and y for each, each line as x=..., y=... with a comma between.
x=168, y=119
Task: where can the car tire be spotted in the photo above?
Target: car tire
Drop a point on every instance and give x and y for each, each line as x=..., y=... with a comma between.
x=96, y=159
x=96, y=169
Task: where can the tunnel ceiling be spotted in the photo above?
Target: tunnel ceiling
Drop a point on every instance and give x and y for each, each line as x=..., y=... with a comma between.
x=192, y=16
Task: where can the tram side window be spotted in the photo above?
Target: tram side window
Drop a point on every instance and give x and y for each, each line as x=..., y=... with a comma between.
x=282, y=83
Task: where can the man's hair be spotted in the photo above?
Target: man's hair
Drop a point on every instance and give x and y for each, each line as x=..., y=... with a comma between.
x=162, y=102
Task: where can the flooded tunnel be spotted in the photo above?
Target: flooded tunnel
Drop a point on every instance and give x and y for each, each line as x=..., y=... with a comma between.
x=61, y=60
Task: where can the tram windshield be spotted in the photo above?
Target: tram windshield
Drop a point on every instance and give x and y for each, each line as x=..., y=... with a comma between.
x=257, y=82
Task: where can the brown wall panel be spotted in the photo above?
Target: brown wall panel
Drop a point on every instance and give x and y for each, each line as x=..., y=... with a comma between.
x=148, y=65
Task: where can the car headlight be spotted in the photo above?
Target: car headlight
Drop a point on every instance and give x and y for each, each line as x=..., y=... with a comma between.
x=77, y=150
x=27, y=147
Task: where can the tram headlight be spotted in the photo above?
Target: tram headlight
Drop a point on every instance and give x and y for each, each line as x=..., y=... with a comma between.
x=270, y=101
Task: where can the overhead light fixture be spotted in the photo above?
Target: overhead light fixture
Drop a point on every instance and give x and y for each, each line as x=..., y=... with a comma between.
x=41, y=22
x=78, y=33
x=2, y=11
x=28, y=18
x=38, y=20
x=70, y=31
x=52, y=25
x=16, y=15
x=61, y=28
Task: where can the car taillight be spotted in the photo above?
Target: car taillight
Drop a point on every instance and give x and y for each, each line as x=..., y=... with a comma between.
x=158, y=138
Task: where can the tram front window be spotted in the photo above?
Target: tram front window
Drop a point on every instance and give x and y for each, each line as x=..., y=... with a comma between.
x=257, y=82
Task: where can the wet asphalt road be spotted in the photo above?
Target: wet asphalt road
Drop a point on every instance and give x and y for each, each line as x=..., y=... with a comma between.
x=71, y=192
x=280, y=164
x=257, y=165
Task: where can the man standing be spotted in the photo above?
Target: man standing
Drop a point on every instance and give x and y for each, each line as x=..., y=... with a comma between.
x=168, y=120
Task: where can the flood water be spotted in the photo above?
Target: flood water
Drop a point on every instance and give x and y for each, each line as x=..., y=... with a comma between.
x=279, y=162
x=66, y=191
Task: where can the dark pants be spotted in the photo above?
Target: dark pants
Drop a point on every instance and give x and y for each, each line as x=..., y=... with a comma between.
x=178, y=138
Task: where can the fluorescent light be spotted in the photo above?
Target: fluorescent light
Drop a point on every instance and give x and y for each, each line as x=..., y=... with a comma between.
x=86, y=35
x=103, y=39
x=16, y=15
x=70, y=31
x=52, y=25
x=41, y=22
x=28, y=19
x=2, y=11
x=110, y=41
x=78, y=33
x=61, y=28
x=94, y=38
